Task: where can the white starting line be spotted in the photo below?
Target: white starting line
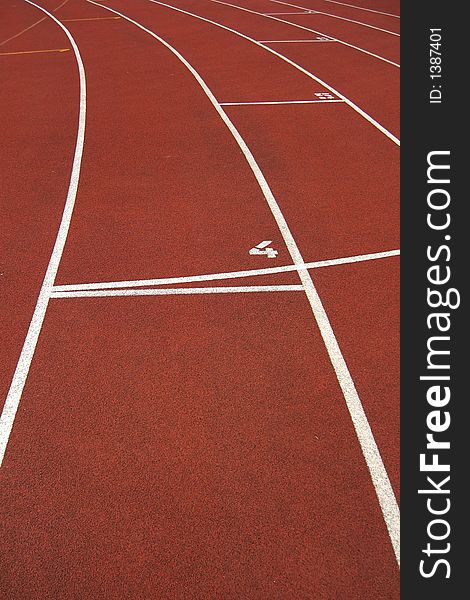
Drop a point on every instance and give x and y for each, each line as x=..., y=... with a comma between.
x=58, y=289
x=304, y=12
x=329, y=100
x=317, y=41
x=179, y=291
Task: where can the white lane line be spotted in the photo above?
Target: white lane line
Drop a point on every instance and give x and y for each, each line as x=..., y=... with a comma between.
x=22, y=368
x=178, y=291
x=279, y=102
x=349, y=102
x=294, y=41
x=228, y=275
x=383, y=59
x=90, y=19
x=290, y=13
x=363, y=8
x=319, y=12
x=379, y=476
x=33, y=25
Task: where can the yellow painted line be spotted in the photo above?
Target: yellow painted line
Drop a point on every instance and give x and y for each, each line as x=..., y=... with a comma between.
x=91, y=19
x=34, y=51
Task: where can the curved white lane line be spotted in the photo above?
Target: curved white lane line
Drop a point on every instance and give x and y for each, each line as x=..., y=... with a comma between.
x=12, y=401
x=379, y=12
x=31, y=26
x=349, y=102
x=319, y=12
x=390, y=62
x=379, y=476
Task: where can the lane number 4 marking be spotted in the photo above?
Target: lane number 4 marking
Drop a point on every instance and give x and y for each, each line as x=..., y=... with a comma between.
x=263, y=249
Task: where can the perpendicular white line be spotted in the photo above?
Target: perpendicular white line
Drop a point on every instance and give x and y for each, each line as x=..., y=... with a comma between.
x=229, y=274
x=297, y=26
x=333, y=16
x=290, y=13
x=295, y=41
x=371, y=453
x=349, y=102
x=13, y=398
x=178, y=291
x=90, y=19
x=363, y=8
x=280, y=102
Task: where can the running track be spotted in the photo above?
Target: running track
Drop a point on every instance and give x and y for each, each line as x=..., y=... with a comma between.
x=166, y=435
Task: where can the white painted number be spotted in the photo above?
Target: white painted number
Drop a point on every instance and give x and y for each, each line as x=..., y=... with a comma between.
x=324, y=96
x=263, y=250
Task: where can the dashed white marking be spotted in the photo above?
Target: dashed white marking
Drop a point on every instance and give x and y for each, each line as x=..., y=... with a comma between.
x=13, y=398
x=230, y=274
x=319, y=101
x=178, y=291
x=319, y=12
x=383, y=59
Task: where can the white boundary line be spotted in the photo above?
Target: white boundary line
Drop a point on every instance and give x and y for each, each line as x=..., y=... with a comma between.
x=279, y=102
x=179, y=291
x=295, y=41
x=31, y=26
x=319, y=12
x=228, y=275
x=363, y=8
x=304, y=12
x=379, y=476
x=24, y=362
x=334, y=39
x=349, y=102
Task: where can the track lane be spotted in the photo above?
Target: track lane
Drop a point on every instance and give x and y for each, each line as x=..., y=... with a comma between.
x=331, y=216
x=174, y=487
x=391, y=432
x=333, y=211
x=171, y=219
x=362, y=300
x=361, y=8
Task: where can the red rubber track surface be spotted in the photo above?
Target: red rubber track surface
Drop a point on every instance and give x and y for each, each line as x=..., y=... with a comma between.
x=340, y=10
x=196, y=446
